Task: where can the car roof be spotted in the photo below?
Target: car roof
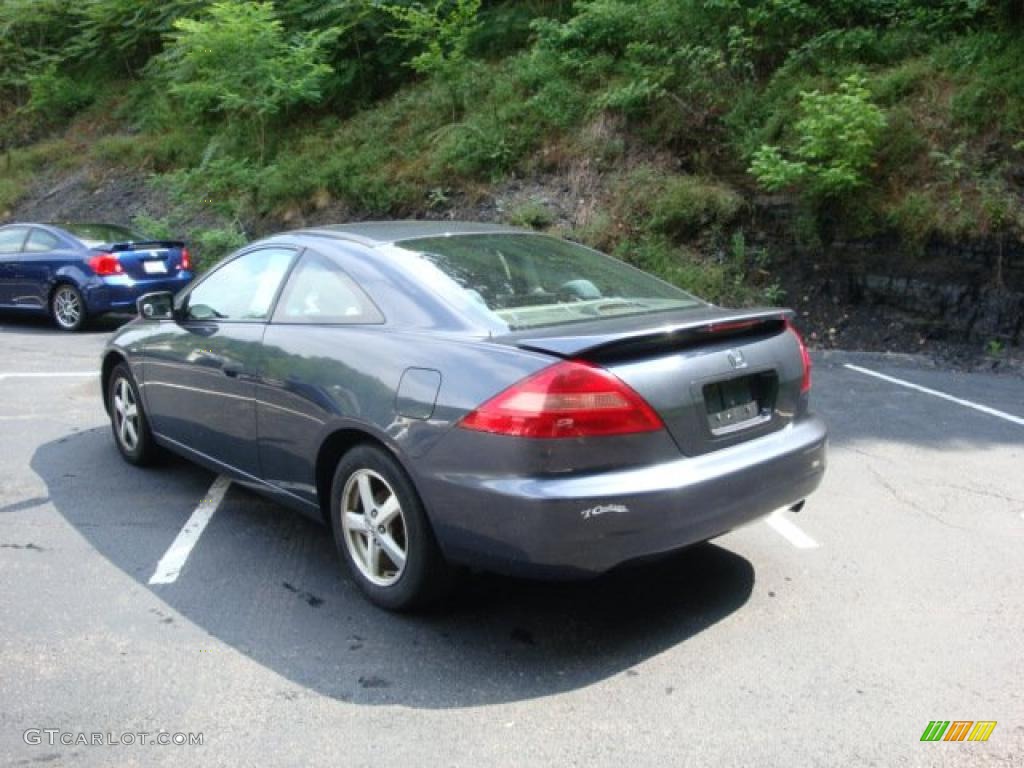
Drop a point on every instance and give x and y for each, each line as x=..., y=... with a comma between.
x=374, y=233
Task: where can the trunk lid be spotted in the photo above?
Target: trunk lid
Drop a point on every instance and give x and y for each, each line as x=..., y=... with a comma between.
x=148, y=259
x=716, y=377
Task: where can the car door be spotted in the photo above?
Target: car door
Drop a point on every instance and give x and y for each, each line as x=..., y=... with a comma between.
x=43, y=253
x=198, y=371
x=311, y=373
x=11, y=241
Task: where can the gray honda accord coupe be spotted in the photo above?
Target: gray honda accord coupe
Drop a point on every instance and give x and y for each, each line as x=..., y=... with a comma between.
x=448, y=395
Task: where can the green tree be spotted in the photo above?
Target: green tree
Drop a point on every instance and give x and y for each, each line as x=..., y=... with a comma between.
x=237, y=64
x=836, y=138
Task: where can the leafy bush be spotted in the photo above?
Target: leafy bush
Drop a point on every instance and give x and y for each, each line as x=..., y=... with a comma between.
x=121, y=35
x=532, y=214
x=724, y=280
x=836, y=138
x=443, y=31
x=673, y=205
x=226, y=186
x=214, y=243
x=53, y=95
x=238, y=64
x=988, y=67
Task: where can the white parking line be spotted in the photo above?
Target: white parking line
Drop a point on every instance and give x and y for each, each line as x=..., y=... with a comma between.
x=174, y=558
x=790, y=530
x=935, y=393
x=58, y=374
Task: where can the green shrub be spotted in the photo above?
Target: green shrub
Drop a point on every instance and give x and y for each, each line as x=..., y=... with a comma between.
x=836, y=138
x=725, y=280
x=442, y=31
x=156, y=228
x=686, y=205
x=532, y=214
x=224, y=185
x=54, y=95
x=991, y=78
x=237, y=63
x=673, y=205
x=213, y=244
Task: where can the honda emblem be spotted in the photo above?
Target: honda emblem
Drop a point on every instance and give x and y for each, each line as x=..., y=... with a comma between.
x=736, y=359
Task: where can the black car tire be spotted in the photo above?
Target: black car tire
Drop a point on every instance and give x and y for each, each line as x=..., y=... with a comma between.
x=67, y=308
x=123, y=393
x=426, y=578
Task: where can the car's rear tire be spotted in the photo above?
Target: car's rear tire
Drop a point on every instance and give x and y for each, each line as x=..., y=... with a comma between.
x=128, y=418
x=67, y=308
x=383, y=535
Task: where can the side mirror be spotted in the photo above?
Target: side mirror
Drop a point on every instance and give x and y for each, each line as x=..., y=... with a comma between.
x=156, y=306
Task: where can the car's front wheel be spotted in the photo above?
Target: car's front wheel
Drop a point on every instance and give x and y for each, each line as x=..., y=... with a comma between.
x=382, y=532
x=128, y=418
x=67, y=308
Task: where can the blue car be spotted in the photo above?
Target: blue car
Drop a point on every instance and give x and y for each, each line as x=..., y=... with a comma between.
x=78, y=271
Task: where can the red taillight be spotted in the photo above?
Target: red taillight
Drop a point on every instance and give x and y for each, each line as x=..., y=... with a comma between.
x=805, y=357
x=568, y=399
x=186, y=259
x=105, y=264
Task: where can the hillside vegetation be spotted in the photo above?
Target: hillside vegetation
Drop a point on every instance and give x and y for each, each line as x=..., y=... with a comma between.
x=663, y=121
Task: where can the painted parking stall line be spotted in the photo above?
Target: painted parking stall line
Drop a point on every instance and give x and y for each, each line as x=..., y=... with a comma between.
x=54, y=375
x=174, y=558
x=936, y=393
x=790, y=531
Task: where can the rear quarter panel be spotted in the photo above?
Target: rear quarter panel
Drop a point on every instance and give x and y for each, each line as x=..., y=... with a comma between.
x=317, y=380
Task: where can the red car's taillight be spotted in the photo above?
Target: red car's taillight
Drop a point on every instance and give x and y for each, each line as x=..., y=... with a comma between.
x=568, y=399
x=186, y=259
x=805, y=357
x=105, y=264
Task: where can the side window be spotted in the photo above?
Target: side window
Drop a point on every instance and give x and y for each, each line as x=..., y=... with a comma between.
x=242, y=289
x=41, y=241
x=319, y=291
x=11, y=239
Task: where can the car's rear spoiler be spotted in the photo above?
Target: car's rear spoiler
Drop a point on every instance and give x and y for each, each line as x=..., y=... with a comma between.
x=145, y=245
x=656, y=331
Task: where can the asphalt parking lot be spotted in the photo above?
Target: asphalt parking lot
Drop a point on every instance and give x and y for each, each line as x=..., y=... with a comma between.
x=828, y=637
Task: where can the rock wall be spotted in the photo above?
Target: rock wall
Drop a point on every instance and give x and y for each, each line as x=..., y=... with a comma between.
x=968, y=291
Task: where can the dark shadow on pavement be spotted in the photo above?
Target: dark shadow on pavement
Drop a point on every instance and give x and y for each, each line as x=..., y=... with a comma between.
x=267, y=582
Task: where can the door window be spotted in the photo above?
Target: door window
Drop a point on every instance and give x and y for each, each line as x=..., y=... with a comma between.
x=41, y=241
x=319, y=291
x=11, y=239
x=243, y=288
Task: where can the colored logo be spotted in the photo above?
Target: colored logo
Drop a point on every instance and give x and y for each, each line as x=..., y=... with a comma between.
x=958, y=730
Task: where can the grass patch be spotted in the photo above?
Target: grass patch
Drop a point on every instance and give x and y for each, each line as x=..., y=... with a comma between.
x=21, y=166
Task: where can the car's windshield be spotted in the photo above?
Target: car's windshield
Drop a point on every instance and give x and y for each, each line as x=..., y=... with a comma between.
x=534, y=280
x=100, y=234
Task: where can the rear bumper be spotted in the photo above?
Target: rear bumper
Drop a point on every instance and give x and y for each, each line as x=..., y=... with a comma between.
x=118, y=293
x=577, y=525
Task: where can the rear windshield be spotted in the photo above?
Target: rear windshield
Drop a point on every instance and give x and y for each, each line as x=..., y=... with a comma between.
x=535, y=280
x=101, y=234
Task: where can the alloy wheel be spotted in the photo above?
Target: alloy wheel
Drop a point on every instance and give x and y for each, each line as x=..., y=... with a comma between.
x=374, y=527
x=67, y=307
x=126, y=415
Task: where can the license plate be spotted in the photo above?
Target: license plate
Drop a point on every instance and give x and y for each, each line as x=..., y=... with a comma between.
x=154, y=267
x=738, y=403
